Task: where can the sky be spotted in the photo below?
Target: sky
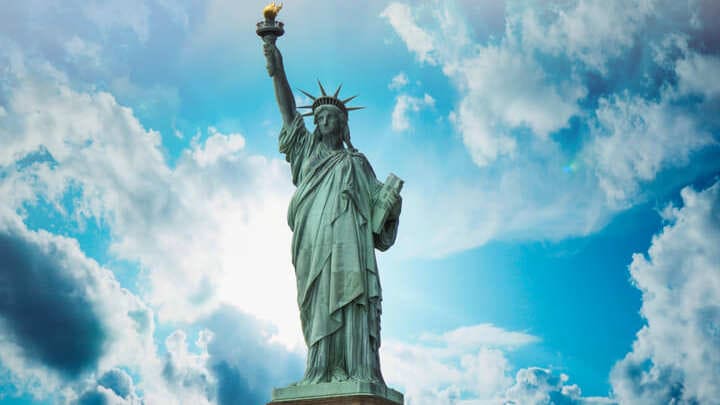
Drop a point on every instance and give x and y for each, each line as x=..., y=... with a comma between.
x=561, y=210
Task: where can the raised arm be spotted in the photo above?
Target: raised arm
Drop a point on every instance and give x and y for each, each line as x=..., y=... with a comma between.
x=276, y=70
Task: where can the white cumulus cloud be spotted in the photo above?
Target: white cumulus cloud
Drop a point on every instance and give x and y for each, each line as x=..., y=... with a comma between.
x=468, y=365
x=505, y=90
x=676, y=355
x=503, y=87
x=591, y=31
x=420, y=42
x=539, y=386
x=558, y=154
x=404, y=105
x=697, y=72
x=217, y=146
x=217, y=198
x=398, y=81
x=636, y=138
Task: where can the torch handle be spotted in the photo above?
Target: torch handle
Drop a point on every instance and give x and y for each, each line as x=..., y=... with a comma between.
x=269, y=39
x=272, y=54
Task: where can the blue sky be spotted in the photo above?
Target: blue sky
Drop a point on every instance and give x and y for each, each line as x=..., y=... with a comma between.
x=560, y=230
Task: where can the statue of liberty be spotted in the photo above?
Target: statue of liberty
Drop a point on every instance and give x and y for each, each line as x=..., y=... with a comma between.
x=340, y=213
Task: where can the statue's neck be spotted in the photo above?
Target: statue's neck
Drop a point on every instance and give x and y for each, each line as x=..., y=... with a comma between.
x=333, y=142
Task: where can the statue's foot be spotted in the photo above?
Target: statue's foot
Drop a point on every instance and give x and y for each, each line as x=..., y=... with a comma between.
x=338, y=375
x=365, y=379
x=305, y=381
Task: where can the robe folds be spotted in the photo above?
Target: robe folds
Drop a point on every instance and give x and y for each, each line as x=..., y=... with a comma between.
x=338, y=288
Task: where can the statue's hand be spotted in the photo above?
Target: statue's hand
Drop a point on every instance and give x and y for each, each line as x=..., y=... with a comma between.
x=273, y=58
x=390, y=198
x=396, y=207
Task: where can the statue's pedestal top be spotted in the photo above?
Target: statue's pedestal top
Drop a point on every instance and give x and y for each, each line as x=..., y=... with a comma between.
x=342, y=393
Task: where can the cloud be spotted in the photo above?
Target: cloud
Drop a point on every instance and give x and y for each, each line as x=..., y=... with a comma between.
x=235, y=361
x=98, y=20
x=590, y=31
x=63, y=316
x=504, y=89
x=429, y=374
x=119, y=382
x=103, y=327
x=217, y=146
x=539, y=386
x=248, y=365
x=187, y=372
x=103, y=396
x=216, y=198
x=542, y=197
x=405, y=104
x=398, y=81
x=468, y=365
x=417, y=40
x=690, y=68
x=114, y=387
x=563, y=114
x=634, y=139
x=90, y=151
x=45, y=308
x=111, y=15
x=694, y=71
x=481, y=335
x=675, y=357
x=85, y=52
x=156, y=100
x=110, y=46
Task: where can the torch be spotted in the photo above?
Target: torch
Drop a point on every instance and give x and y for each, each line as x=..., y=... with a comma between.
x=269, y=29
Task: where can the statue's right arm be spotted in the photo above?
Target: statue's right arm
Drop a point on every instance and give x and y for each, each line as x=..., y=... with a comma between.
x=283, y=93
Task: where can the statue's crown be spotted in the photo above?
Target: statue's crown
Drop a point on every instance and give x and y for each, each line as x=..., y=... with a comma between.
x=324, y=99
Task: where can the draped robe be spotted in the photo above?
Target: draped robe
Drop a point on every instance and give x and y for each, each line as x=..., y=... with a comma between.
x=338, y=289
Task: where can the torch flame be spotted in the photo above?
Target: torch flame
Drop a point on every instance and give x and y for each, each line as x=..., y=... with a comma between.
x=271, y=10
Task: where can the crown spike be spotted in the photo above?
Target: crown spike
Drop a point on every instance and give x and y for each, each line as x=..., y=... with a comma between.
x=348, y=99
x=326, y=99
x=322, y=89
x=307, y=94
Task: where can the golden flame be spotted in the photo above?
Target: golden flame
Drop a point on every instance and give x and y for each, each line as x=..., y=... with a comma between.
x=271, y=10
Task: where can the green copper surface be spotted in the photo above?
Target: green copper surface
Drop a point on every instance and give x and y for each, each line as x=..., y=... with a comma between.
x=340, y=213
x=334, y=390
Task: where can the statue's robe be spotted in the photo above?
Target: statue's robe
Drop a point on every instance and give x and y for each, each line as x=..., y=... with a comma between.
x=338, y=289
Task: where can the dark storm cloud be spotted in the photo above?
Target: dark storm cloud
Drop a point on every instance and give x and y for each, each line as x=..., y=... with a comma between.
x=112, y=385
x=45, y=309
x=93, y=398
x=239, y=363
x=233, y=387
x=244, y=361
x=118, y=381
x=706, y=35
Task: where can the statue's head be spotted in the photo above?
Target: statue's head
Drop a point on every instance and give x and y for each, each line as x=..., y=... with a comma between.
x=331, y=124
x=331, y=117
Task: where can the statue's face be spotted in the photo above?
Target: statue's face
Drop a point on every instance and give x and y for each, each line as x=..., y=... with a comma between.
x=329, y=121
